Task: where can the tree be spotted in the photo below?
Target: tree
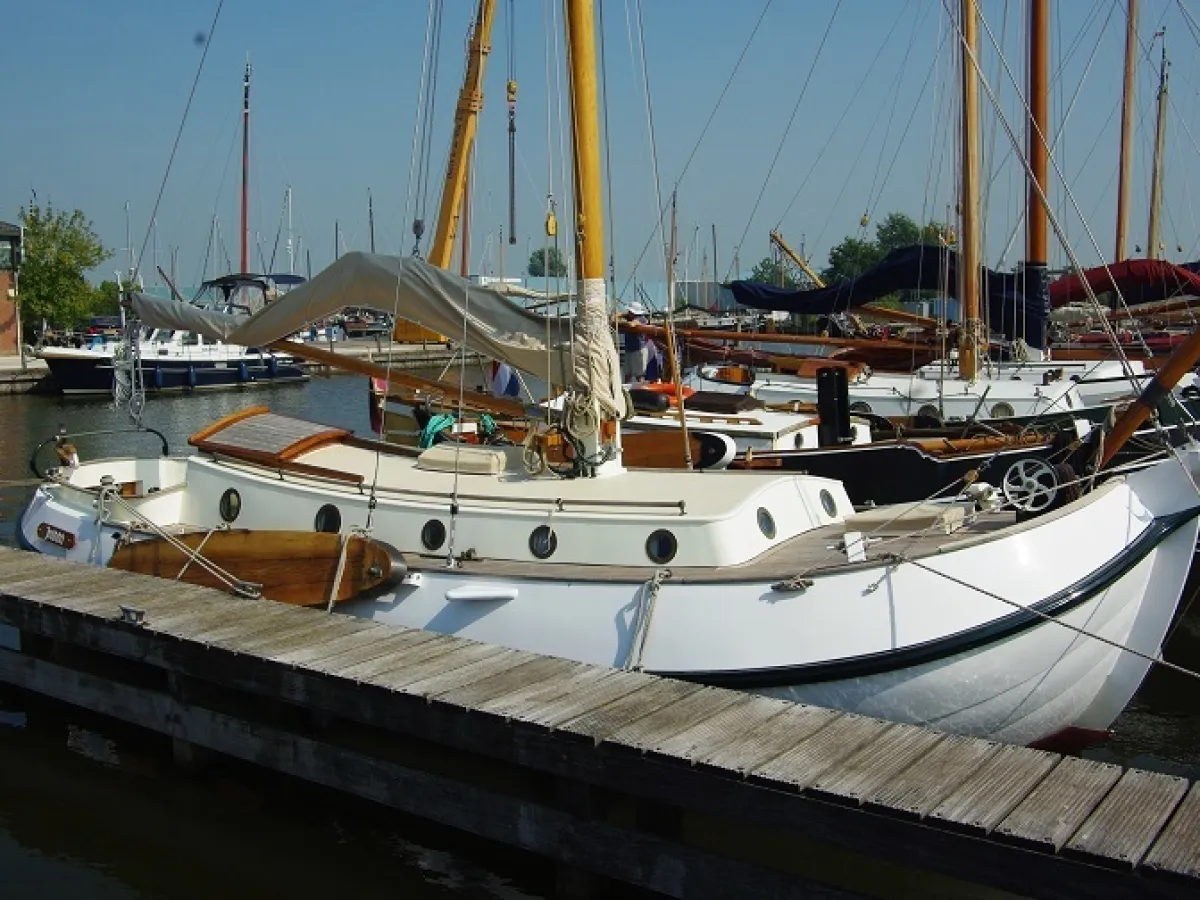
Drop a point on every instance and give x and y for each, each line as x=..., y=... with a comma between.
x=59, y=247
x=849, y=258
x=106, y=299
x=538, y=267
x=772, y=271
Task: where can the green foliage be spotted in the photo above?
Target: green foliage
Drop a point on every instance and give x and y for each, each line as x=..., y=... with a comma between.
x=106, y=299
x=59, y=247
x=772, y=271
x=543, y=264
x=852, y=255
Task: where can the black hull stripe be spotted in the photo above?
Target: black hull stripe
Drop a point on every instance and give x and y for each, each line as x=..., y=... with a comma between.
x=1058, y=604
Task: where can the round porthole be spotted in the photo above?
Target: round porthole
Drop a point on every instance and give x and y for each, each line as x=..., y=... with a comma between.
x=1003, y=411
x=329, y=519
x=858, y=406
x=766, y=523
x=929, y=411
x=543, y=542
x=799, y=441
x=661, y=546
x=827, y=501
x=433, y=534
x=230, y=506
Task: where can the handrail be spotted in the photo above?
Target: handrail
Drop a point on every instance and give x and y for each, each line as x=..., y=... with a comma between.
x=33, y=459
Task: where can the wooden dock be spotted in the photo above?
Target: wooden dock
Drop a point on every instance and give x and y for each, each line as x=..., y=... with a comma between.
x=611, y=776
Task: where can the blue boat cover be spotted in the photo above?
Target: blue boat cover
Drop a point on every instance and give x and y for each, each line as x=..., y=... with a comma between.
x=1013, y=310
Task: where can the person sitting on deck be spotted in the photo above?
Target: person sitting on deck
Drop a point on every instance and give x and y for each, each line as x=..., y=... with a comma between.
x=635, y=352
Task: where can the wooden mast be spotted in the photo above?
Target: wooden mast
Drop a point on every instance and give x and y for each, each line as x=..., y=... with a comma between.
x=1127, y=98
x=585, y=139
x=968, y=364
x=246, y=170
x=1035, y=277
x=672, y=355
x=466, y=119
x=1160, y=137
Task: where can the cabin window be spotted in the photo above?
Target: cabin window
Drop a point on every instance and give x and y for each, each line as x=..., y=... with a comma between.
x=543, y=542
x=661, y=546
x=799, y=441
x=929, y=411
x=329, y=519
x=766, y=523
x=1003, y=411
x=828, y=503
x=859, y=406
x=433, y=534
x=230, y=505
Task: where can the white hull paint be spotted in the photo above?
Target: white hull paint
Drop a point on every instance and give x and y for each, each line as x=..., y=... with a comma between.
x=925, y=642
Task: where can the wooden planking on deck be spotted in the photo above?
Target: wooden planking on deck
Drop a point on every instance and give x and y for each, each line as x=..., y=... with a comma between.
x=1177, y=850
x=1063, y=807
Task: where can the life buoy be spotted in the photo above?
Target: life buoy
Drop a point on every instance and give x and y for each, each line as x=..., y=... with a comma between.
x=666, y=388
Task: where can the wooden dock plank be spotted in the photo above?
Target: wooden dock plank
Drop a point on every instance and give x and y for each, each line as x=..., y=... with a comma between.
x=410, y=653
x=876, y=764
x=525, y=703
x=930, y=779
x=602, y=721
x=745, y=752
x=251, y=620
x=537, y=670
x=54, y=584
x=981, y=802
x=812, y=757
x=405, y=672
x=15, y=564
x=746, y=712
x=574, y=704
x=296, y=628
x=168, y=600
x=439, y=682
x=364, y=647
x=1177, y=849
x=1123, y=827
x=1055, y=808
x=648, y=733
x=301, y=656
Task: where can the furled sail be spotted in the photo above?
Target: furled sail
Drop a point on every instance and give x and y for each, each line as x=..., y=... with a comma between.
x=1139, y=281
x=1011, y=310
x=492, y=324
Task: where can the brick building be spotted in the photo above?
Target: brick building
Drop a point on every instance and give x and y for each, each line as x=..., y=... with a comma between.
x=10, y=246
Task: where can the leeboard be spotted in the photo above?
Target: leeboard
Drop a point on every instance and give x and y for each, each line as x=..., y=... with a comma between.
x=293, y=567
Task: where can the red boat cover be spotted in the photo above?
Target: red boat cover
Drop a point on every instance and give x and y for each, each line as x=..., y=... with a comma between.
x=1139, y=280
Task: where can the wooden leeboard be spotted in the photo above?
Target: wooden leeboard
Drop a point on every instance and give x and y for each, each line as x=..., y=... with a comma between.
x=293, y=567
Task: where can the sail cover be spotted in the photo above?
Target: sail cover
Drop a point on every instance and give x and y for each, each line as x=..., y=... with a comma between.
x=1138, y=280
x=1011, y=310
x=493, y=325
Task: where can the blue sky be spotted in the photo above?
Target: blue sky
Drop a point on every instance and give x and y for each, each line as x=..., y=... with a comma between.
x=97, y=90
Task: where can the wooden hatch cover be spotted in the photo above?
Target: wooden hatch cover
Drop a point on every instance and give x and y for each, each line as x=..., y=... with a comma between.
x=294, y=567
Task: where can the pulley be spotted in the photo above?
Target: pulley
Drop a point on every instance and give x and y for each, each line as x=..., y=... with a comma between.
x=551, y=224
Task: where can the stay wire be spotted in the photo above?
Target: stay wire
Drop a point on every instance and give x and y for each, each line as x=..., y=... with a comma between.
x=791, y=120
x=178, y=135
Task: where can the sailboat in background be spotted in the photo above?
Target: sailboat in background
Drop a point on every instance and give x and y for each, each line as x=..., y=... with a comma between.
x=944, y=614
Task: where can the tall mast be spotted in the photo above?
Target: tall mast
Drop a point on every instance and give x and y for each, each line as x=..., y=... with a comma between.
x=291, y=249
x=1035, y=276
x=1127, y=101
x=968, y=364
x=676, y=375
x=1160, y=137
x=371, y=219
x=246, y=170
x=466, y=119
x=464, y=263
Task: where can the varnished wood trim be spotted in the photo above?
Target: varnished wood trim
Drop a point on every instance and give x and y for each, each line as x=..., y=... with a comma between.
x=221, y=424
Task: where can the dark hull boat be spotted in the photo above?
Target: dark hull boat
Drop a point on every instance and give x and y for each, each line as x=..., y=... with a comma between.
x=91, y=372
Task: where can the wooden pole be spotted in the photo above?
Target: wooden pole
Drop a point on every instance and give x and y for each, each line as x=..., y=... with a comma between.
x=466, y=119
x=968, y=364
x=589, y=212
x=1036, y=244
x=672, y=355
x=1127, y=101
x=1160, y=138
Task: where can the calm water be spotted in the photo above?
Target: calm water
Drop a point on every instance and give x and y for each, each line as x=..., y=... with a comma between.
x=87, y=810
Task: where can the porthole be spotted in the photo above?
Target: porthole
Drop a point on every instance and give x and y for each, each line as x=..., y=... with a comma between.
x=766, y=523
x=661, y=546
x=543, y=542
x=929, y=411
x=329, y=519
x=799, y=441
x=230, y=506
x=1003, y=410
x=433, y=534
x=859, y=406
x=827, y=501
